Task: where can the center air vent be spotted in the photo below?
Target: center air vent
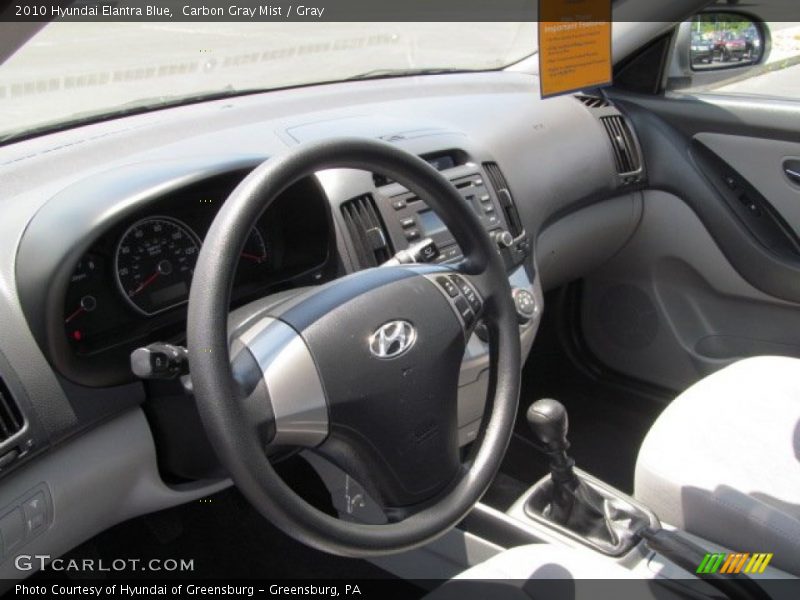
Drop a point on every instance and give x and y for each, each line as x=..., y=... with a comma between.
x=504, y=196
x=11, y=420
x=367, y=231
x=626, y=153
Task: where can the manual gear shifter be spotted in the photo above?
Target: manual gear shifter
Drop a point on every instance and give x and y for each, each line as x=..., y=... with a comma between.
x=583, y=506
x=548, y=421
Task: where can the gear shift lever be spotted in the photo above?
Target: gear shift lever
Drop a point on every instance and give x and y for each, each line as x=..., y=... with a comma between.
x=548, y=421
x=575, y=501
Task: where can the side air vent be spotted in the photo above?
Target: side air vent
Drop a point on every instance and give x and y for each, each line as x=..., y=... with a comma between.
x=626, y=153
x=593, y=101
x=11, y=420
x=500, y=186
x=367, y=231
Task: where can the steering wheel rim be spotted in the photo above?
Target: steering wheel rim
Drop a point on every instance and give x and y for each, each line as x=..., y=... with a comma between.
x=226, y=419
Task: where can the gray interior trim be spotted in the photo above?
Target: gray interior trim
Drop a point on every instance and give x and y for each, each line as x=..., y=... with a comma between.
x=116, y=462
x=602, y=229
x=293, y=383
x=670, y=307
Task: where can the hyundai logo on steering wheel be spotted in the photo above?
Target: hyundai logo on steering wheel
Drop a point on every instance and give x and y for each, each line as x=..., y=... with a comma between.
x=392, y=339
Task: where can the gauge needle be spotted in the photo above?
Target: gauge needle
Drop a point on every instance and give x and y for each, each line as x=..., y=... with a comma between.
x=144, y=284
x=253, y=257
x=78, y=311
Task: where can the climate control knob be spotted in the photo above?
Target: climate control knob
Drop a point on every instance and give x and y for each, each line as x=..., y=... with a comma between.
x=525, y=304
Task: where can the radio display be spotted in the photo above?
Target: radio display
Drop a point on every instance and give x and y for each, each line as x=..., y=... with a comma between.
x=430, y=223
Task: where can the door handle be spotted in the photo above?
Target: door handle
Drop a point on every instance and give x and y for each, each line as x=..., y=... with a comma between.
x=792, y=170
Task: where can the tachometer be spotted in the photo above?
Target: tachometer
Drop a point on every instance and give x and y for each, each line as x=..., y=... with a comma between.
x=155, y=262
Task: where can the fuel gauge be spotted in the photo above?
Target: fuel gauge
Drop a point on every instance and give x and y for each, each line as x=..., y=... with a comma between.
x=85, y=299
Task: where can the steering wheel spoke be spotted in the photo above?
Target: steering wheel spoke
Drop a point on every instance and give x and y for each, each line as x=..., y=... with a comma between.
x=278, y=379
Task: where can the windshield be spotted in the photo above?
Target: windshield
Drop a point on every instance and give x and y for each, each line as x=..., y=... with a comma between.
x=71, y=71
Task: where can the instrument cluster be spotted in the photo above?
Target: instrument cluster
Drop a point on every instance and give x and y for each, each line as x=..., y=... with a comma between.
x=134, y=282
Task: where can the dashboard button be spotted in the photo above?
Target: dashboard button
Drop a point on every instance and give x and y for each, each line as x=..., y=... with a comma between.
x=398, y=204
x=412, y=234
x=407, y=222
x=35, y=512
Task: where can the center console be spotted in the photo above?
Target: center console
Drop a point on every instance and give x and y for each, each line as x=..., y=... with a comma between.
x=483, y=187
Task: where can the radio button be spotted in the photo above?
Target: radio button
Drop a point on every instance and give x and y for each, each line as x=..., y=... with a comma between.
x=468, y=292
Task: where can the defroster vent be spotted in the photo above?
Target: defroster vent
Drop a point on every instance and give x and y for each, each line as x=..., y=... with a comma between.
x=626, y=153
x=593, y=101
x=367, y=231
x=11, y=420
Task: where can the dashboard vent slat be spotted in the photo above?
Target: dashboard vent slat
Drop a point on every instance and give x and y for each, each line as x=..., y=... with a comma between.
x=593, y=101
x=11, y=420
x=626, y=155
x=367, y=231
x=500, y=185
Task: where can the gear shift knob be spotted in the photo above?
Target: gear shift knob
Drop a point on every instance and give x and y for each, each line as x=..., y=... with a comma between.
x=548, y=421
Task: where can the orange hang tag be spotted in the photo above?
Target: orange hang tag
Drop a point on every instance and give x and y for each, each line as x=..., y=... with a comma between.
x=574, y=45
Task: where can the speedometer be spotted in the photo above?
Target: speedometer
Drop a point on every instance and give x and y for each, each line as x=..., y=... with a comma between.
x=155, y=262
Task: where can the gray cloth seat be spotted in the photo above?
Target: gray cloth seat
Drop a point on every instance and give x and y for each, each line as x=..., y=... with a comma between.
x=551, y=572
x=723, y=460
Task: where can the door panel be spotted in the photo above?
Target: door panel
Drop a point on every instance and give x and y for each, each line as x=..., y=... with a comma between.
x=761, y=162
x=669, y=308
x=703, y=281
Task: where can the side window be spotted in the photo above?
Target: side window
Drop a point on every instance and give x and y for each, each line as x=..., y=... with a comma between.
x=728, y=53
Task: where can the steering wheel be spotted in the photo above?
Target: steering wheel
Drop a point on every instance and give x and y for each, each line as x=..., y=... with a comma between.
x=364, y=370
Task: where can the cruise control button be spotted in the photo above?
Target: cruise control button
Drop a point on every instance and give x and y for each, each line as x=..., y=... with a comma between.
x=462, y=306
x=448, y=286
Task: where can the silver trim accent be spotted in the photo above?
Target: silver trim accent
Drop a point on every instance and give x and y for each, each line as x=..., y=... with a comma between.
x=292, y=380
x=392, y=339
